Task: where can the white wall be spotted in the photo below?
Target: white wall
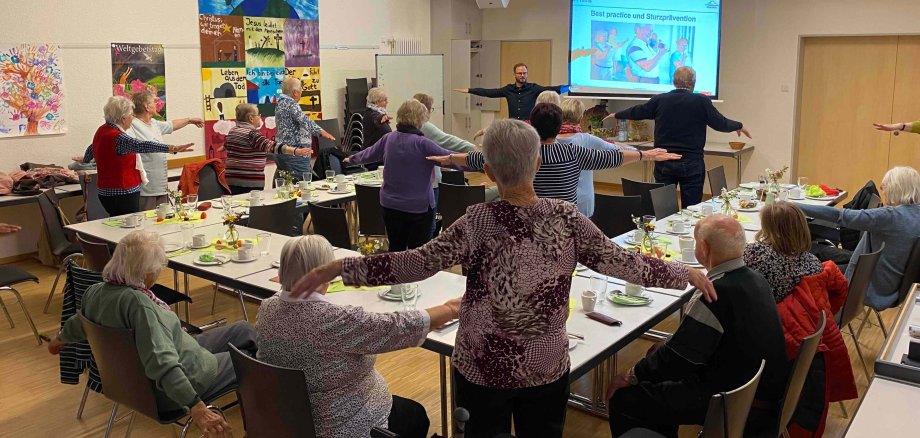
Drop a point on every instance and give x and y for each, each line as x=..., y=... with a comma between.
x=760, y=50
x=85, y=29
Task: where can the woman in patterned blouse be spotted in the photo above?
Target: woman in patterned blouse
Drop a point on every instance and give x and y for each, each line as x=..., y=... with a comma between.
x=336, y=347
x=780, y=253
x=511, y=353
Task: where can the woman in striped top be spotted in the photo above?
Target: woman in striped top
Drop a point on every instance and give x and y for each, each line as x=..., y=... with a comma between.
x=560, y=163
x=246, y=151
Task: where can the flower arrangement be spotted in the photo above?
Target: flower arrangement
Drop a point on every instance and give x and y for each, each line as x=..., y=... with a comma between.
x=727, y=197
x=231, y=218
x=175, y=198
x=370, y=247
x=288, y=177
x=775, y=175
x=647, y=227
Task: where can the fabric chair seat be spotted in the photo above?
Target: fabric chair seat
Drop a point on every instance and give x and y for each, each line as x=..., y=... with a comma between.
x=10, y=275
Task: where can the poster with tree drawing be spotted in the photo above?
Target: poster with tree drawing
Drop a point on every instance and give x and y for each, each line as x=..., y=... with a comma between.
x=31, y=90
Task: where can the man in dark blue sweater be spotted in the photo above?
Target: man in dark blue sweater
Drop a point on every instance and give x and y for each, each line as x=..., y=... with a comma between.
x=521, y=95
x=718, y=347
x=681, y=118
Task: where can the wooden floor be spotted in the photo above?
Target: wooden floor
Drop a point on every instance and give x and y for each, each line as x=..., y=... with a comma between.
x=33, y=402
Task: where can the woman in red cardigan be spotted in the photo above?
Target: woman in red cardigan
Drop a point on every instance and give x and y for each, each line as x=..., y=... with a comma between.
x=115, y=152
x=803, y=287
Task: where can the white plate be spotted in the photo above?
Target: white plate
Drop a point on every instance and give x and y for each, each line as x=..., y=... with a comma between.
x=384, y=295
x=677, y=233
x=750, y=227
x=276, y=264
x=200, y=247
x=749, y=185
x=130, y=226
x=221, y=259
x=172, y=247
x=747, y=210
x=572, y=344
x=693, y=263
x=339, y=192
x=370, y=183
x=235, y=258
x=795, y=199
x=233, y=204
x=821, y=198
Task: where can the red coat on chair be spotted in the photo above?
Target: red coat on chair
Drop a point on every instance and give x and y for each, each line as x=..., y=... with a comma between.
x=799, y=311
x=188, y=181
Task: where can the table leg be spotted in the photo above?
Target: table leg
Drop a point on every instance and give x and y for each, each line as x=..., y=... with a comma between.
x=185, y=286
x=442, y=362
x=738, y=162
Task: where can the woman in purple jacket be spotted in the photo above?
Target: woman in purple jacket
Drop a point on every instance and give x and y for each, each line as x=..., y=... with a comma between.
x=406, y=196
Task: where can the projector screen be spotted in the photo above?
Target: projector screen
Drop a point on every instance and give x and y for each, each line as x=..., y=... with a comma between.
x=621, y=49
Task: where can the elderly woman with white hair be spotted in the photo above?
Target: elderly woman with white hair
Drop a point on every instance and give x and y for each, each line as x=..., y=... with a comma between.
x=894, y=224
x=115, y=152
x=295, y=128
x=336, y=346
x=187, y=371
x=511, y=353
x=376, y=121
x=407, y=194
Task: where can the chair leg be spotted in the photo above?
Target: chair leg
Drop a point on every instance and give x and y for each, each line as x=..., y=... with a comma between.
x=6, y=312
x=188, y=425
x=881, y=324
x=130, y=425
x=108, y=429
x=83, y=401
x=57, y=278
x=239, y=293
x=862, y=360
x=25, y=311
x=214, y=299
x=844, y=409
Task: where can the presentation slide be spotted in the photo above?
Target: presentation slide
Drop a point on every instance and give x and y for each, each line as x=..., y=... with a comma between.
x=621, y=49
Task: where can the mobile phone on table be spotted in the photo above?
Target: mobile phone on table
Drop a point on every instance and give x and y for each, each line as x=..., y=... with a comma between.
x=604, y=319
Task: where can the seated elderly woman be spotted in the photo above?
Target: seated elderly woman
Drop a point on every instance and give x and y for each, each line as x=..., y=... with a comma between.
x=336, y=345
x=185, y=370
x=802, y=287
x=560, y=163
x=117, y=163
x=511, y=352
x=407, y=195
x=894, y=225
x=573, y=111
x=247, y=149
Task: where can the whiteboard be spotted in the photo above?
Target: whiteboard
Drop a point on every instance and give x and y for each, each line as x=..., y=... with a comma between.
x=402, y=76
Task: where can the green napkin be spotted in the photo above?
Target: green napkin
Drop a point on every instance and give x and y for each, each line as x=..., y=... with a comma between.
x=113, y=222
x=628, y=300
x=178, y=253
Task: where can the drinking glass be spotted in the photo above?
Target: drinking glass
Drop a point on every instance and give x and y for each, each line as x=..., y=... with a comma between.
x=264, y=242
x=647, y=219
x=187, y=231
x=279, y=183
x=598, y=284
x=190, y=201
x=802, y=181
x=330, y=175
x=307, y=176
x=226, y=201
x=409, y=296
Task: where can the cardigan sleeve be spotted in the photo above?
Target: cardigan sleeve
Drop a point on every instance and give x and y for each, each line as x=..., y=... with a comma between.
x=366, y=332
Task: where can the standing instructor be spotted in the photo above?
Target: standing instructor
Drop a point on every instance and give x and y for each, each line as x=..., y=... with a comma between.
x=521, y=95
x=681, y=118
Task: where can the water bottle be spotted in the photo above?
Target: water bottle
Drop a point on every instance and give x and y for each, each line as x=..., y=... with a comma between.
x=621, y=136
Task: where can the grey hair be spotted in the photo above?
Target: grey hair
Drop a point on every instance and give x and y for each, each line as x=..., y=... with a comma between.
x=549, y=96
x=375, y=95
x=290, y=84
x=724, y=235
x=572, y=111
x=412, y=113
x=511, y=148
x=117, y=108
x=138, y=254
x=140, y=100
x=425, y=99
x=245, y=110
x=301, y=255
x=902, y=186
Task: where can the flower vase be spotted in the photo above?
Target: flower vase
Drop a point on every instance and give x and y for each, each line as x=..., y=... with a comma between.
x=231, y=235
x=648, y=244
x=772, y=193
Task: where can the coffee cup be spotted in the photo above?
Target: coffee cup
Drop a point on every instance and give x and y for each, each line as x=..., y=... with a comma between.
x=340, y=178
x=688, y=255
x=162, y=211
x=796, y=193
x=130, y=220
x=633, y=290
x=244, y=253
x=677, y=226
x=199, y=240
x=588, y=300
x=707, y=209
x=255, y=202
x=255, y=194
x=746, y=196
x=305, y=195
x=686, y=242
x=248, y=244
x=304, y=186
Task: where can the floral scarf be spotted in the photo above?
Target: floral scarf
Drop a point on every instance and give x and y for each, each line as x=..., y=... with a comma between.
x=570, y=129
x=147, y=292
x=380, y=110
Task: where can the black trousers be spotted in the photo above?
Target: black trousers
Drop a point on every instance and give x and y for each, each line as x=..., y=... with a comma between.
x=661, y=407
x=121, y=204
x=241, y=190
x=826, y=252
x=687, y=174
x=408, y=418
x=407, y=230
x=537, y=412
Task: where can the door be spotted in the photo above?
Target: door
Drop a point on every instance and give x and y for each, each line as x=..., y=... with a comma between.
x=459, y=75
x=490, y=53
x=905, y=149
x=538, y=57
x=846, y=84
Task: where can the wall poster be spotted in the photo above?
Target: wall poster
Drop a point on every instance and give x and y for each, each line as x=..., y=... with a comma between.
x=31, y=90
x=139, y=67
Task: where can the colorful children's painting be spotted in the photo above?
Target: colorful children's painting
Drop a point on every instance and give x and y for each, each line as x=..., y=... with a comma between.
x=221, y=41
x=31, y=90
x=140, y=67
x=298, y=9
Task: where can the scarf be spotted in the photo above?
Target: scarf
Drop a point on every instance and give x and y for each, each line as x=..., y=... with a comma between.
x=408, y=129
x=569, y=129
x=147, y=292
x=377, y=108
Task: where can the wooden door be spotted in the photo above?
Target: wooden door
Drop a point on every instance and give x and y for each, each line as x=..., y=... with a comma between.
x=905, y=148
x=846, y=84
x=538, y=57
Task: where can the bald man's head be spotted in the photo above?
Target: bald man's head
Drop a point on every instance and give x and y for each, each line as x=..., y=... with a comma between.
x=719, y=238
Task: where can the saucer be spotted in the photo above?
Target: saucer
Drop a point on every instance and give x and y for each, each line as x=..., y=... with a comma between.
x=172, y=247
x=693, y=263
x=678, y=233
x=221, y=259
x=572, y=344
x=235, y=258
x=386, y=294
x=130, y=226
x=207, y=244
x=276, y=264
x=626, y=300
x=339, y=192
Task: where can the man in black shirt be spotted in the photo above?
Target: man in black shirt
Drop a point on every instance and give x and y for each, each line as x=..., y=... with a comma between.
x=521, y=95
x=717, y=347
x=681, y=118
